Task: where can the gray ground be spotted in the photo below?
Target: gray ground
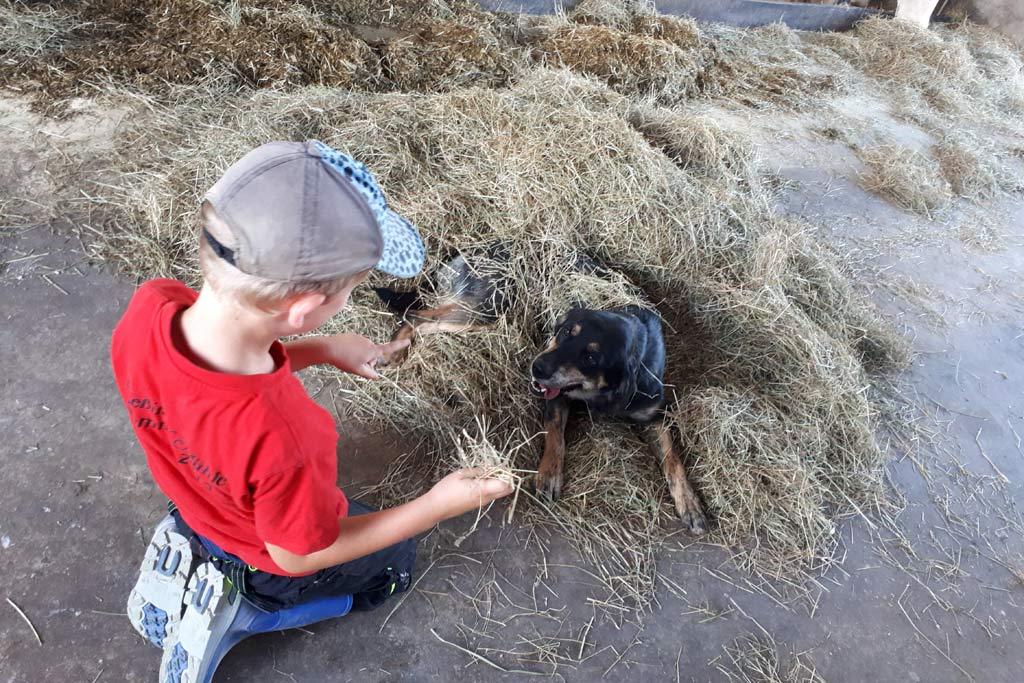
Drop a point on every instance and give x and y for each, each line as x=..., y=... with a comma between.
x=77, y=503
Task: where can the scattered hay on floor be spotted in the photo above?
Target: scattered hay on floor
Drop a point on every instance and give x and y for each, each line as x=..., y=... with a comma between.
x=752, y=659
x=976, y=168
x=768, y=66
x=984, y=232
x=962, y=71
x=803, y=670
x=909, y=178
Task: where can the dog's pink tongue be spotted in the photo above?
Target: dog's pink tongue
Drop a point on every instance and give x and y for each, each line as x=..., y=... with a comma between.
x=550, y=393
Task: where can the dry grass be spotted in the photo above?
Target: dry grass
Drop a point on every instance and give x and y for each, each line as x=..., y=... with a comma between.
x=153, y=44
x=769, y=66
x=444, y=54
x=753, y=659
x=976, y=167
x=909, y=178
x=602, y=12
x=966, y=71
x=566, y=137
x=633, y=65
x=27, y=33
x=695, y=142
x=750, y=660
x=769, y=344
x=961, y=84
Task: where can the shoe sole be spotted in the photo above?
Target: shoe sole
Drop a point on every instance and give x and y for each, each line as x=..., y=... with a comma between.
x=211, y=603
x=154, y=605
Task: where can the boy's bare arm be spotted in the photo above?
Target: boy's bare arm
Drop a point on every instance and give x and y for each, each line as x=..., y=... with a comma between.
x=352, y=353
x=361, y=535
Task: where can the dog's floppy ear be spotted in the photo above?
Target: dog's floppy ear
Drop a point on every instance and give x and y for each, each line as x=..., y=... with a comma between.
x=564, y=318
x=629, y=371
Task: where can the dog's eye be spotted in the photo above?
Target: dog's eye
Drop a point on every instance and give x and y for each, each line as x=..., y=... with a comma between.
x=590, y=359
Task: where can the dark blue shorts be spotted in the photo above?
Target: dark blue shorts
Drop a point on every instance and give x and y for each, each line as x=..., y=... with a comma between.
x=370, y=580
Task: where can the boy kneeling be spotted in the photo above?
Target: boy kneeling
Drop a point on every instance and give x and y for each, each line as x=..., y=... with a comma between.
x=230, y=435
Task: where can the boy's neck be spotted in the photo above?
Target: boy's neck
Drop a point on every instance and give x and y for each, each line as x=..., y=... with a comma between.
x=226, y=337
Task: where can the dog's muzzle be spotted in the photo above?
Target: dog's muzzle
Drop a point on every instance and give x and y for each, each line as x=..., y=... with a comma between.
x=545, y=392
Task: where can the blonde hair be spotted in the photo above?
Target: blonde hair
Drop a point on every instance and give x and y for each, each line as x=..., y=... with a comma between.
x=226, y=279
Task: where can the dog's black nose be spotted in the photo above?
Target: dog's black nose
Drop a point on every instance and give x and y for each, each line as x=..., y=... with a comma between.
x=542, y=368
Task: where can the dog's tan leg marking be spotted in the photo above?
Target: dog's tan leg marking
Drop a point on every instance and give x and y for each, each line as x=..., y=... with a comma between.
x=688, y=506
x=549, y=473
x=448, y=318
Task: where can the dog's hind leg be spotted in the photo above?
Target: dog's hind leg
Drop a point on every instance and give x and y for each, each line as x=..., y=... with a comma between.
x=452, y=317
x=548, y=482
x=659, y=439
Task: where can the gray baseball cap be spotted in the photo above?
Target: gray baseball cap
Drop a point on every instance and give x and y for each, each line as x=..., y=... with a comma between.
x=301, y=211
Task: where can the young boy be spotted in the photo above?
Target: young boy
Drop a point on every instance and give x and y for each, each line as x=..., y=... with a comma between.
x=246, y=457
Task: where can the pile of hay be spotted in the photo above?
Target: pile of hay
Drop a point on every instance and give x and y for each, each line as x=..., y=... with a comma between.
x=631, y=64
x=153, y=44
x=964, y=71
x=566, y=137
x=440, y=45
x=444, y=54
x=60, y=49
x=768, y=344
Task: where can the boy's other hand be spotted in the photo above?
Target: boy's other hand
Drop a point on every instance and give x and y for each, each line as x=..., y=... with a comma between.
x=357, y=355
x=464, y=490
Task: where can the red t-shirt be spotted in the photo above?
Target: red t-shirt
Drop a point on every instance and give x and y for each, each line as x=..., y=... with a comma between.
x=247, y=459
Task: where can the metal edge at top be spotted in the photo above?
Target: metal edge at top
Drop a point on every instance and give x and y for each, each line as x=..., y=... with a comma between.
x=742, y=13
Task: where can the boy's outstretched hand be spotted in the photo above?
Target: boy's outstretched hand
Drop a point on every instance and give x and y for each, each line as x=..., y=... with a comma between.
x=360, y=535
x=357, y=355
x=464, y=490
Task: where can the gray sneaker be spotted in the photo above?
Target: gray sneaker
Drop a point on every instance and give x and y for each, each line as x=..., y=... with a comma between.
x=155, y=603
x=211, y=603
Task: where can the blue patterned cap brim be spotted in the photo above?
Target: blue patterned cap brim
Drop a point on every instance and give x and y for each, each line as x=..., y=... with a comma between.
x=403, y=252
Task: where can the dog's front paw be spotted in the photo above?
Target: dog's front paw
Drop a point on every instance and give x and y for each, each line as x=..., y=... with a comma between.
x=693, y=520
x=548, y=484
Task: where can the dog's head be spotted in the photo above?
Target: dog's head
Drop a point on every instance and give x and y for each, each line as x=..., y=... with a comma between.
x=591, y=353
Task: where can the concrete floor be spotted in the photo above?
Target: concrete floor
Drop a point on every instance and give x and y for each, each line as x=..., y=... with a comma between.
x=77, y=503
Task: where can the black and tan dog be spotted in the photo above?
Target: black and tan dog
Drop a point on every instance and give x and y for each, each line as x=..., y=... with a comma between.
x=612, y=362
